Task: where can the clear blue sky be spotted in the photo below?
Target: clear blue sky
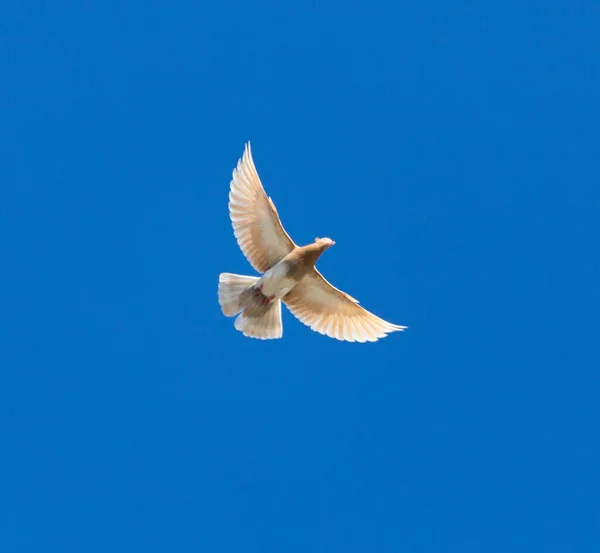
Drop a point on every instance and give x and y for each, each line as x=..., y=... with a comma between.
x=452, y=151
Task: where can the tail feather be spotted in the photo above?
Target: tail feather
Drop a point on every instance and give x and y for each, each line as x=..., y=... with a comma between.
x=257, y=320
x=262, y=322
x=232, y=296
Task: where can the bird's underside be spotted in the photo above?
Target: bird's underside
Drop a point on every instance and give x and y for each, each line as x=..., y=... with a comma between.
x=288, y=274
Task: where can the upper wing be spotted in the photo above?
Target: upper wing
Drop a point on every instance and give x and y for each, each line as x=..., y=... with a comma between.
x=256, y=224
x=330, y=311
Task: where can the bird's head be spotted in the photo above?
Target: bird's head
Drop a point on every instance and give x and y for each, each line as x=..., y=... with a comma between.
x=324, y=242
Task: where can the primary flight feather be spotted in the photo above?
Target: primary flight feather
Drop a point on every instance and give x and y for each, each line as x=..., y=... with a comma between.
x=288, y=274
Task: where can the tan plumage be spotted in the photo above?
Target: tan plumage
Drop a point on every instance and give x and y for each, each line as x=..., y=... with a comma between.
x=289, y=275
x=327, y=310
x=256, y=224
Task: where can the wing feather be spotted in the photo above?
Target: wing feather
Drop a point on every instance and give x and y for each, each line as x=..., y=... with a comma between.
x=328, y=310
x=256, y=224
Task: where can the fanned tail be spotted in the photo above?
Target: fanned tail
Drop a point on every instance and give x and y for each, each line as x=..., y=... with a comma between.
x=256, y=319
x=234, y=291
x=261, y=321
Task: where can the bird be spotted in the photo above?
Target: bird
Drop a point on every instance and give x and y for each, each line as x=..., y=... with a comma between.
x=287, y=273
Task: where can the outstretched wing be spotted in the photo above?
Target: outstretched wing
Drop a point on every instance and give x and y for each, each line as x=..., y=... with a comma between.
x=327, y=310
x=256, y=224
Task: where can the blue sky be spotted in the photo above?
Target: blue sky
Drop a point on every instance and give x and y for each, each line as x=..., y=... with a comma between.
x=452, y=151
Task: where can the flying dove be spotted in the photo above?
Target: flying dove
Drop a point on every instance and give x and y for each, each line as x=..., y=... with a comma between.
x=288, y=274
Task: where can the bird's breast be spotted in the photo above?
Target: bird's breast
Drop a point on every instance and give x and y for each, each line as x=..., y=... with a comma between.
x=277, y=281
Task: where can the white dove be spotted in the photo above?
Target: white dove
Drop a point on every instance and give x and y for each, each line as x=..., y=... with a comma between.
x=288, y=274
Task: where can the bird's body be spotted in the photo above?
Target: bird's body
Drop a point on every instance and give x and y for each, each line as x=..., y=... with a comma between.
x=288, y=274
x=279, y=280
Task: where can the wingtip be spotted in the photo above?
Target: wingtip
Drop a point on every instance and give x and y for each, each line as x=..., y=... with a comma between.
x=247, y=155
